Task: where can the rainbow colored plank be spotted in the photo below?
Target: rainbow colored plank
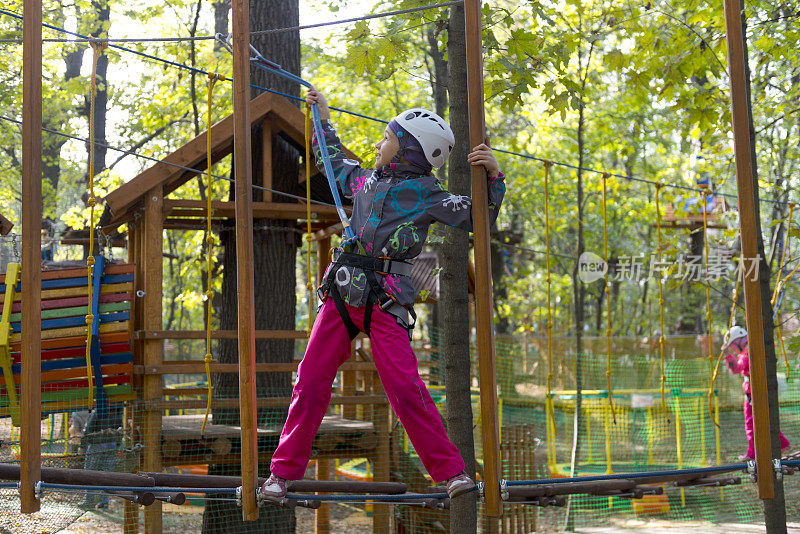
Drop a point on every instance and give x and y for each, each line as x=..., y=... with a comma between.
x=65, y=304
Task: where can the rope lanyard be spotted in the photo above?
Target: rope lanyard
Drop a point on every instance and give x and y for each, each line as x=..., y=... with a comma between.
x=608, y=303
x=779, y=287
x=212, y=80
x=309, y=237
x=261, y=62
x=708, y=297
x=550, y=412
x=97, y=49
x=661, y=305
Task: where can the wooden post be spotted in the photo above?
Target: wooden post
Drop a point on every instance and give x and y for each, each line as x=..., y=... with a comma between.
x=748, y=231
x=322, y=520
x=152, y=246
x=483, y=281
x=130, y=522
x=244, y=255
x=31, y=391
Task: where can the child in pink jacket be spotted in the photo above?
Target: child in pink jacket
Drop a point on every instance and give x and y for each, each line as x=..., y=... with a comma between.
x=368, y=288
x=738, y=360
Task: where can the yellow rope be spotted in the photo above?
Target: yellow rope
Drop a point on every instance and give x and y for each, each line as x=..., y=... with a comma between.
x=711, y=377
x=608, y=303
x=661, y=305
x=778, y=283
x=212, y=80
x=309, y=281
x=549, y=326
x=97, y=48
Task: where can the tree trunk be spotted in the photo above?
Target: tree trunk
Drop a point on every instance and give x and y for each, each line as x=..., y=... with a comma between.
x=774, y=509
x=579, y=298
x=103, y=12
x=275, y=244
x=454, y=311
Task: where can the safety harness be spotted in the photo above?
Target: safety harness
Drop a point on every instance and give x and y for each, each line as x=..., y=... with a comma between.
x=370, y=265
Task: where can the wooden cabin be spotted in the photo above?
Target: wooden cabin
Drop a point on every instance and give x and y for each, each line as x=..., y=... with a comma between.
x=149, y=206
x=687, y=212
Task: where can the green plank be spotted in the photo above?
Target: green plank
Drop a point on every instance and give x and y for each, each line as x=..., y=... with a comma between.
x=76, y=394
x=74, y=312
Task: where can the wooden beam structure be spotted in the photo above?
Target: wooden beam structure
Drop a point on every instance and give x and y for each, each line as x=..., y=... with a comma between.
x=5, y=225
x=151, y=246
x=749, y=237
x=244, y=256
x=483, y=268
x=31, y=393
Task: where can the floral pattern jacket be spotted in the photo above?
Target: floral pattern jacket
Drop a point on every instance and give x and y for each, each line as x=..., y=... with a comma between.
x=392, y=213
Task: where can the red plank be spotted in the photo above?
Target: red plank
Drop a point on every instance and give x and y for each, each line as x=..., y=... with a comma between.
x=77, y=352
x=74, y=301
x=80, y=372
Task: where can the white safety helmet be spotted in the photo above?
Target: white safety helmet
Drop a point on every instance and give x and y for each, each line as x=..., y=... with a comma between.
x=432, y=133
x=736, y=332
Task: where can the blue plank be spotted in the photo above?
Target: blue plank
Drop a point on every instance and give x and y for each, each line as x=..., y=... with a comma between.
x=71, y=363
x=77, y=282
x=68, y=322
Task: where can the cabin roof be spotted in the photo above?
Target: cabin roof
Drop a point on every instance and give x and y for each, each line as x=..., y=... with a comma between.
x=267, y=109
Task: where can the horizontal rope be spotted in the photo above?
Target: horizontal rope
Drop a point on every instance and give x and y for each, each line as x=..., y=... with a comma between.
x=156, y=160
x=358, y=19
x=641, y=474
x=367, y=497
x=509, y=152
x=257, y=32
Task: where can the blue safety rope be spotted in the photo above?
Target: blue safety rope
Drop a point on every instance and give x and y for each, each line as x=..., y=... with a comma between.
x=270, y=66
x=134, y=489
x=641, y=474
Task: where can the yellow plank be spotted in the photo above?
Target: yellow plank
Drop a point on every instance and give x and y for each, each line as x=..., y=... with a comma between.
x=77, y=331
x=72, y=404
x=12, y=274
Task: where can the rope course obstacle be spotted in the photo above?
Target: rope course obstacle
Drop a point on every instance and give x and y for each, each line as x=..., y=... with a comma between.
x=103, y=310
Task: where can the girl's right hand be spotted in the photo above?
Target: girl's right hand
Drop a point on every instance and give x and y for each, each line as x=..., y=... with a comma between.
x=315, y=97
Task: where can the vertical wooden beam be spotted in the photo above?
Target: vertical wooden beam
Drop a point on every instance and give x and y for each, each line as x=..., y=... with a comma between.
x=31, y=391
x=749, y=233
x=483, y=268
x=130, y=524
x=244, y=255
x=152, y=246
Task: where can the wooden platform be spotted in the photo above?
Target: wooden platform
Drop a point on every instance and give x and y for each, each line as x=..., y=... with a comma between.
x=189, y=426
x=182, y=444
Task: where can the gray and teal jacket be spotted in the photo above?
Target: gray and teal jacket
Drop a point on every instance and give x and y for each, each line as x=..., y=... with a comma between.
x=392, y=213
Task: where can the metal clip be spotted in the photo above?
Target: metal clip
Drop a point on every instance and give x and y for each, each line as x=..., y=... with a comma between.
x=481, y=495
x=778, y=467
x=751, y=469
x=224, y=40
x=38, y=491
x=238, y=489
x=504, y=489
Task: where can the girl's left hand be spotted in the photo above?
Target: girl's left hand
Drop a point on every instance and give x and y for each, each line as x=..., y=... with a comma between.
x=482, y=155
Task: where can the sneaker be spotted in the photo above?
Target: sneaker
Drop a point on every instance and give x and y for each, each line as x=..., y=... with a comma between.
x=459, y=484
x=274, y=489
x=745, y=458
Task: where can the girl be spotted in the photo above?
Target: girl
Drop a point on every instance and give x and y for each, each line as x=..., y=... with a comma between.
x=738, y=360
x=368, y=288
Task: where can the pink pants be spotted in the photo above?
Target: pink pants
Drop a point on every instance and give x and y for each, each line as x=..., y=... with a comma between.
x=748, y=429
x=328, y=348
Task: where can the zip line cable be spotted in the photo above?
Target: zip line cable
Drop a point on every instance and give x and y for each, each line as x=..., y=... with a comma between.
x=296, y=98
x=257, y=32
